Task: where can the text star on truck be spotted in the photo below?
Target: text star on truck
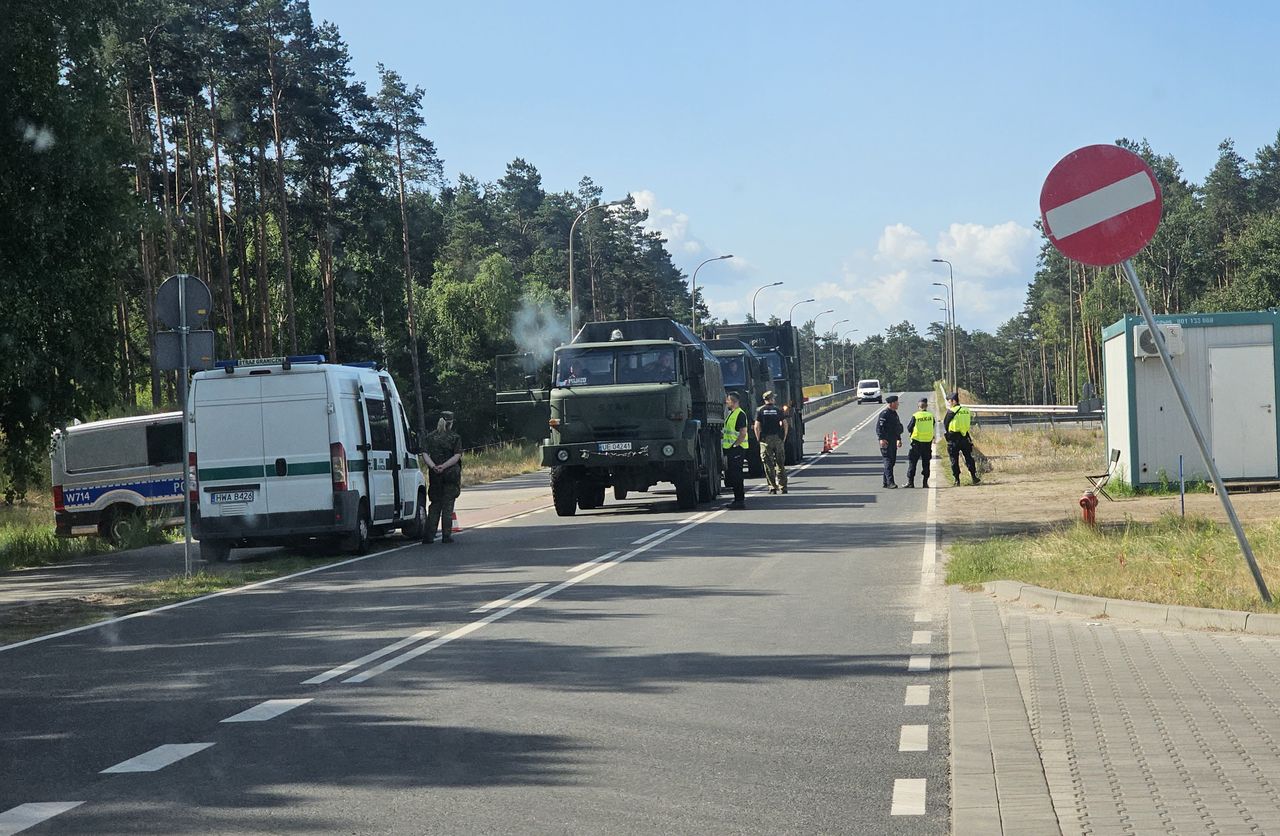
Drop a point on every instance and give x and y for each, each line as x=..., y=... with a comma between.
x=290, y=448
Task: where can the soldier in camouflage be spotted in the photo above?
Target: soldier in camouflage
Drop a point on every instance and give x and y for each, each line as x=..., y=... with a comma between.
x=442, y=450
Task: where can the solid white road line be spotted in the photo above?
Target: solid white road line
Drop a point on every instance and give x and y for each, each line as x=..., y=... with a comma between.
x=920, y=663
x=908, y=797
x=18, y=819
x=267, y=710
x=923, y=617
x=158, y=758
x=582, y=566
x=921, y=636
x=502, y=602
x=917, y=695
x=913, y=739
x=524, y=602
x=364, y=660
x=658, y=533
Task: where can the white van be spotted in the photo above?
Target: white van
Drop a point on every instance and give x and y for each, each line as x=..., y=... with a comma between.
x=289, y=448
x=108, y=475
x=869, y=390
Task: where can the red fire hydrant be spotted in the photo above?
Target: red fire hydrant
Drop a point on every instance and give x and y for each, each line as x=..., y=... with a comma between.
x=1088, y=503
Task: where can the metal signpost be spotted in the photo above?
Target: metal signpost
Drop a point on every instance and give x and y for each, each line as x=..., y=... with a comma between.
x=1100, y=206
x=182, y=302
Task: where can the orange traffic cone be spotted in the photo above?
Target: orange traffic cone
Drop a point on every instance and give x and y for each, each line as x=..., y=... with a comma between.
x=826, y=443
x=835, y=439
x=456, y=527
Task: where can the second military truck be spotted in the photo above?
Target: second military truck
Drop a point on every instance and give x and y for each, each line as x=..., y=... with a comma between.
x=779, y=346
x=634, y=403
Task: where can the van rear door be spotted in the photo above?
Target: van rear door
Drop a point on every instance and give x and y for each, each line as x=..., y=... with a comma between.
x=295, y=443
x=380, y=457
x=228, y=446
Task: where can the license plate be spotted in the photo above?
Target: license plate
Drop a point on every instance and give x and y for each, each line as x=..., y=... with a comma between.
x=231, y=496
x=613, y=446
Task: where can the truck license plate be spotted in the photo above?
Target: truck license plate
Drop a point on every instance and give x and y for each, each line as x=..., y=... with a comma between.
x=231, y=496
x=613, y=446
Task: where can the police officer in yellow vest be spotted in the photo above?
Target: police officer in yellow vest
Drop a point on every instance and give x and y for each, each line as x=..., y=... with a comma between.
x=920, y=428
x=735, y=446
x=955, y=428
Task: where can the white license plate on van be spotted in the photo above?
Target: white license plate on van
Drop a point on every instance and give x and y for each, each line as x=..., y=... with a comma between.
x=231, y=496
x=613, y=446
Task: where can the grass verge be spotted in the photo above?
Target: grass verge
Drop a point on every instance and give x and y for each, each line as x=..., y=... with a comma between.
x=500, y=461
x=1191, y=562
x=27, y=538
x=26, y=621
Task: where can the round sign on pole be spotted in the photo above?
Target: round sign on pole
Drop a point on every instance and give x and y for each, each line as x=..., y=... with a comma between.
x=199, y=301
x=1100, y=205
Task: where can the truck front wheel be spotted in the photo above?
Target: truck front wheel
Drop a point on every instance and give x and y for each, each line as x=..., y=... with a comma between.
x=687, y=487
x=564, y=492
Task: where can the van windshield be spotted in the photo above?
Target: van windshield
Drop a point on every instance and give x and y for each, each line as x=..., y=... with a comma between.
x=868, y=384
x=603, y=366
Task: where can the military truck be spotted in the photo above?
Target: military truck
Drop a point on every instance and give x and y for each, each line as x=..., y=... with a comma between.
x=632, y=403
x=779, y=346
x=746, y=372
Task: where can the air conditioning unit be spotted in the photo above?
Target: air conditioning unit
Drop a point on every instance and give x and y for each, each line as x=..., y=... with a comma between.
x=1144, y=342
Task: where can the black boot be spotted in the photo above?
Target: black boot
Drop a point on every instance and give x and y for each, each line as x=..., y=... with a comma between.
x=429, y=531
x=911, y=483
x=447, y=535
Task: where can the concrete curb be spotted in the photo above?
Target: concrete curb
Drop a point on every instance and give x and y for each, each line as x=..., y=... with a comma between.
x=1138, y=612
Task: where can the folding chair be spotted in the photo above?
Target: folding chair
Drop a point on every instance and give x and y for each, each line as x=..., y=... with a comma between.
x=1100, y=481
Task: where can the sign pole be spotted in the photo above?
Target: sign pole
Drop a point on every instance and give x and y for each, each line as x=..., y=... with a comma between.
x=1195, y=429
x=183, y=333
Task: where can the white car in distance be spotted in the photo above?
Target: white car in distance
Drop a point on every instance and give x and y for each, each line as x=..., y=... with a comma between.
x=869, y=390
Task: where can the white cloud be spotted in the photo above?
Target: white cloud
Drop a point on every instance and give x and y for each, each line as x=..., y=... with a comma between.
x=672, y=225
x=985, y=251
x=900, y=245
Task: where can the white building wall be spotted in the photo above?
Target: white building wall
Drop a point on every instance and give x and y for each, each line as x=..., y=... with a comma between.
x=1115, y=370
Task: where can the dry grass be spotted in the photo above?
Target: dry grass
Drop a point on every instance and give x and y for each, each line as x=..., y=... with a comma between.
x=499, y=462
x=1040, y=450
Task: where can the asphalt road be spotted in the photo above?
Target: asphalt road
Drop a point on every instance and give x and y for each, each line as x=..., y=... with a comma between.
x=631, y=669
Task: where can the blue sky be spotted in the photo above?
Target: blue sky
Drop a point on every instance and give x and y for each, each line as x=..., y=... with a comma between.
x=836, y=147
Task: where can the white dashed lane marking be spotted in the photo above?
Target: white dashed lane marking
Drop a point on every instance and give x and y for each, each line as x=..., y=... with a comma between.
x=366, y=659
x=917, y=695
x=18, y=819
x=923, y=617
x=158, y=758
x=646, y=537
x=591, y=563
x=908, y=797
x=502, y=602
x=922, y=637
x=913, y=739
x=268, y=710
x=920, y=664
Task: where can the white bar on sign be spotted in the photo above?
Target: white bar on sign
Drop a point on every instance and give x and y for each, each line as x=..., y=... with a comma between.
x=158, y=758
x=1103, y=205
x=23, y=816
x=908, y=797
x=268, y=710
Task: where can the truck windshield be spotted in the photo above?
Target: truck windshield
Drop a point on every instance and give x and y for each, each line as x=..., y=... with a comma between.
x=733, y=371
x=775, y=365
x=602, y=366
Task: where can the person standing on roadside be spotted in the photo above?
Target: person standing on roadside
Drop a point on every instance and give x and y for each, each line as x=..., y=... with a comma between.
x=771, y=434
x=734, y=442
x=920, y=429
x=889, y=432
x=442, y=450
x=955, y=429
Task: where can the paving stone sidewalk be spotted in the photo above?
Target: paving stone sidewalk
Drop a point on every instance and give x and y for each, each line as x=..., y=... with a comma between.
x=1143, y=730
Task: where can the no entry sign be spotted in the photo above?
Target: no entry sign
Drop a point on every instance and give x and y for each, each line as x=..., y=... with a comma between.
x=1100, y=205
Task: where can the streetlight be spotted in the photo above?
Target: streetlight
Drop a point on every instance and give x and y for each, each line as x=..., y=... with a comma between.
x=851, y=366
x=573, y=309
x=693, y=291
x=791, y=314
x=951, y=290
x=815, y=343
x=753, y=299
x=946, y=328
x=834, y=326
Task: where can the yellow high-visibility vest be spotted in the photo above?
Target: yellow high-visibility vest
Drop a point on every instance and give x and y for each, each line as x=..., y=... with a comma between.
x=961, y=418
x=922, y=430
x=730, y=437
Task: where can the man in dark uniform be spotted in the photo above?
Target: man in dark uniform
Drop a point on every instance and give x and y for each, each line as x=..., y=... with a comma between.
x=920, y=429
x=734, y=442
x=955, y=428
x=771, y=433
x=889, y=431
x=442, y=450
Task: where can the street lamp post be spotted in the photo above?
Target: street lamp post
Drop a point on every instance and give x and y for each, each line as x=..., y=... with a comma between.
x=944, y=354
x=951, y=292
x=834, y=326
x=573, y=309
x=693, y=290
x=791, y=314
x=948, y=384
x=849, y=367
x=815, y=342
x=753, y=299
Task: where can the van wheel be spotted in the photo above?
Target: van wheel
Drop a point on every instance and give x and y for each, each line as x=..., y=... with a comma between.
x=357, y=542
x=412, y=530
x=120, y=523
x=215, y=551
x=619, y=493
x=564, y=492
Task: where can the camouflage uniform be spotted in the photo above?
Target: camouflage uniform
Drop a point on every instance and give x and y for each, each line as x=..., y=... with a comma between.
x=443, y=488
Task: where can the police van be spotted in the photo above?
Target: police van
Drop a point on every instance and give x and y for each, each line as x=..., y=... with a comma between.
x=108, y=476
x=285, y=449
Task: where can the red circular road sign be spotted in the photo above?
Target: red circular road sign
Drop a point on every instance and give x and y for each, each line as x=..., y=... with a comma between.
x=1100, y=204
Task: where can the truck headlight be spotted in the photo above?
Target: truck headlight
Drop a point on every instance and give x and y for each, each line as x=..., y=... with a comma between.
x=668, y=450
x=562, y=455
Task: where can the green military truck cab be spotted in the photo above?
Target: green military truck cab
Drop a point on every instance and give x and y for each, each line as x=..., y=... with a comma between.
x=778, y=345
x=633, y=403
x=746, y=372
